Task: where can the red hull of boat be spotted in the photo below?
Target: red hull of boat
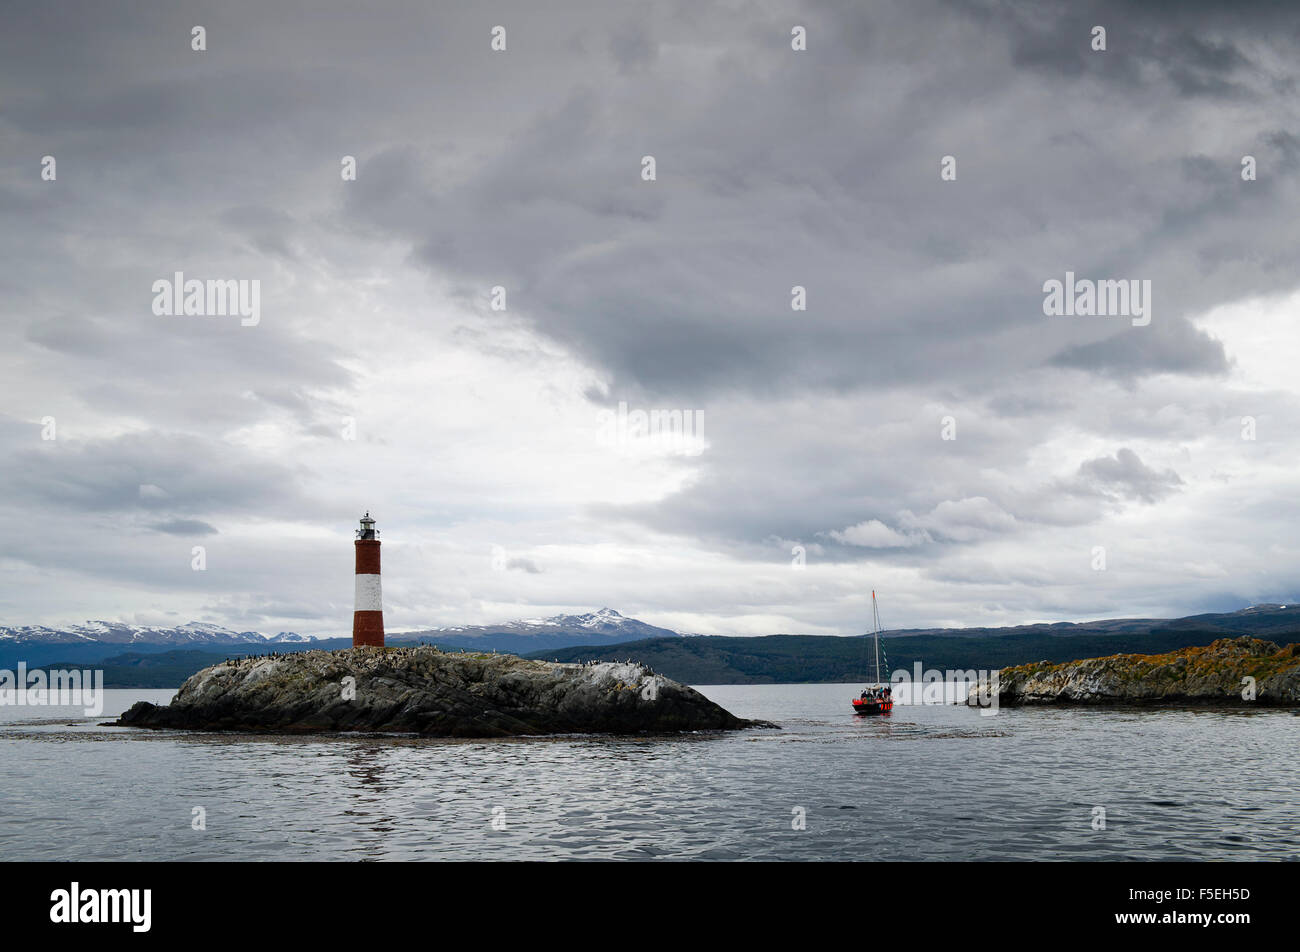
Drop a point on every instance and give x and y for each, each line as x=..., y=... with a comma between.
x=871, y=707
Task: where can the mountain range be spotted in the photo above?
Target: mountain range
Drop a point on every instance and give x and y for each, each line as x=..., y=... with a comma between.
x=99, y=639
x=813, y=658
x=133, y=655
x=1255, y=620
x=117, y=633
x=602, y=627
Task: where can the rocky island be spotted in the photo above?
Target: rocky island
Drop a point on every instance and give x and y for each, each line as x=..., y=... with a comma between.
x=421, y=690
x=1230, y=671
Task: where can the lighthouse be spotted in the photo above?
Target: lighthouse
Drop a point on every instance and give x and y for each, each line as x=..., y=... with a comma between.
x=368, y=618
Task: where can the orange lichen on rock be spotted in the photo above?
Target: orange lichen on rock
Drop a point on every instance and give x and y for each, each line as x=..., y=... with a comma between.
x=1239, y=671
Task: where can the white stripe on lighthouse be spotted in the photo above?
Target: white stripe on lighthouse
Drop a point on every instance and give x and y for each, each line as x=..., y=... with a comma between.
x=369, y=596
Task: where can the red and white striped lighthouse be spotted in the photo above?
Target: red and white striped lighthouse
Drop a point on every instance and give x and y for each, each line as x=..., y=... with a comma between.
x=368, y=618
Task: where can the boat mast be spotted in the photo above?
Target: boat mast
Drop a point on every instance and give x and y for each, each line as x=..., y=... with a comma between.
x=875, y=620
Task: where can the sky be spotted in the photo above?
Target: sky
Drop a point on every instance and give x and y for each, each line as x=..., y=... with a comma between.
x=921, y=427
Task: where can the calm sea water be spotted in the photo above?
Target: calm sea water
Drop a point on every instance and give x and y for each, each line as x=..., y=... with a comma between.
x=929, y=782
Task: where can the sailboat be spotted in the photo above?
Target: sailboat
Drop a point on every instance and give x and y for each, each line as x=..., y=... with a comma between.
x=877, y=698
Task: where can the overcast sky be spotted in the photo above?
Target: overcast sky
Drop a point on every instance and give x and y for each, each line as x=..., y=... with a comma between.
x=479, y=442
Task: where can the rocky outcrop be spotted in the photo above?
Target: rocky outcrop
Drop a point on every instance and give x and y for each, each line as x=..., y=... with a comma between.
x=422, y=690
x=1212, y=674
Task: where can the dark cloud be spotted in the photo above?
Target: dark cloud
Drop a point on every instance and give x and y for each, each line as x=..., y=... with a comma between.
x=1162, y=347
x=149, y=473
x=184, y=527
x=1125, y=474
x=682, y=286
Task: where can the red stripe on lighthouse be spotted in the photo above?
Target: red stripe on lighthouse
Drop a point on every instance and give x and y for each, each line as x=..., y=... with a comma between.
x=367, y=629
x=368, y=557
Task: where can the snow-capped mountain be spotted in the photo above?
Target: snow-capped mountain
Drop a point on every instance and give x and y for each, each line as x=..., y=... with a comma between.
x=117, y=633
x=602, y=627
